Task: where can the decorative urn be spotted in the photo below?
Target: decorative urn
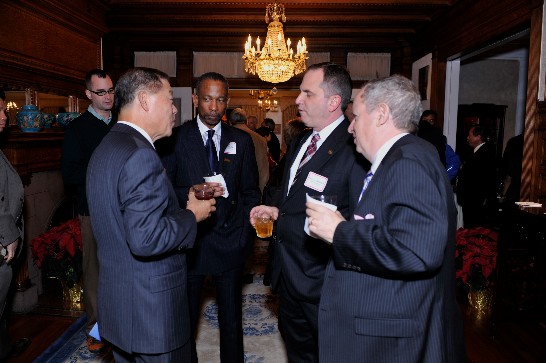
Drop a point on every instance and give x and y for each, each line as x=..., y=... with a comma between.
x=49, y=119
x=29, y=119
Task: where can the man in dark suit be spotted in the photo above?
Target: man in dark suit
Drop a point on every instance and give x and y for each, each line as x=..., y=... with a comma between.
x=140, y=229
x=224, y=241
x=389, y=290
x=299, y=261
x=477, y=180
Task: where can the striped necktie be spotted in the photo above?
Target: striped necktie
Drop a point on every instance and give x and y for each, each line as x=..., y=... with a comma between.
x=311, y=149
x=366, y=183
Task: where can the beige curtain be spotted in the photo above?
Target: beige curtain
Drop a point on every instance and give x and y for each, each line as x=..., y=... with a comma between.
x=164, y=61
x=366, y=66
x=229, y=64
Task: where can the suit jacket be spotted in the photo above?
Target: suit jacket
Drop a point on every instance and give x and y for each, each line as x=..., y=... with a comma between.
x=225, y=239
x=11, y=203
x=389, y=291
x=260, y=150
x=477, y=178
x=140, y=230
x=299, y=258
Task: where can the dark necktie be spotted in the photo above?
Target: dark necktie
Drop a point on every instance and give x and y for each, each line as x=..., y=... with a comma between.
x=211, y=152
x=311, y=149
x=366, y=183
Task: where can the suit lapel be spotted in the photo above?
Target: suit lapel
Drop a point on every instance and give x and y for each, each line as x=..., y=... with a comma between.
x=329, y=147
x=196, y=149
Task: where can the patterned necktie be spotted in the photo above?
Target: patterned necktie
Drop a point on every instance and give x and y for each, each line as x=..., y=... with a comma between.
x=366, y=183
x=211, y=152
x=311, y=149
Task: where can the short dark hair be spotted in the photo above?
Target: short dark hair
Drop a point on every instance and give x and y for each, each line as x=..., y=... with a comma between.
x=237, y=116
x=482, y=132
x=269, y=123
x=336, y=81
x=210, y=76
x=430, y=113
x=136, y=79
x=94, y=72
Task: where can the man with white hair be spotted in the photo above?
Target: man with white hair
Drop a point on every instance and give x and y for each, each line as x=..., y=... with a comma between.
x=389, y=289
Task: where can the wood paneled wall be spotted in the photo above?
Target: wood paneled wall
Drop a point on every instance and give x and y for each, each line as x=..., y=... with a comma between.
x=49, y=45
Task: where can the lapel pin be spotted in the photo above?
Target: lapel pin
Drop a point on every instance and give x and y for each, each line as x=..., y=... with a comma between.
x=330, y=152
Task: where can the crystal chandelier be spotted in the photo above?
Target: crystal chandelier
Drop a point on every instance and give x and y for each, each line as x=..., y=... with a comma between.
x=276, y=61
x=264, y=99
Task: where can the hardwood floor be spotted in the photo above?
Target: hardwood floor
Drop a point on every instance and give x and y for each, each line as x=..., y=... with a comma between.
x=516, y=341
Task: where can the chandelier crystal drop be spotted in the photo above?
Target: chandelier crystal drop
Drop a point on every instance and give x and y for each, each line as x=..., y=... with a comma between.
x=275, y=62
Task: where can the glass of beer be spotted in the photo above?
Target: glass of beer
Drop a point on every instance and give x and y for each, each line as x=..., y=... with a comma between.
x=203, y=191
x=264, y=227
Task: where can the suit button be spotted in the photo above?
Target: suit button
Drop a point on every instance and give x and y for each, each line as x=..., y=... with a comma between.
x=232, y=202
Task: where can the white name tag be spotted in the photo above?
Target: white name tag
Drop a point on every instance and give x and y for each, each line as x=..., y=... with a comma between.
x=316, y=182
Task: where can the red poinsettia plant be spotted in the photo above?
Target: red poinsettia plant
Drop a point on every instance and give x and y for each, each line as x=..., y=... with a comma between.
x=58, y=252
x=476, y=256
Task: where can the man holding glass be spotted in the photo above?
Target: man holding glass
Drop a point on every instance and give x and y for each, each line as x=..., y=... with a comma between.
x=202, y=147
x=389, y=290
x=323, y=162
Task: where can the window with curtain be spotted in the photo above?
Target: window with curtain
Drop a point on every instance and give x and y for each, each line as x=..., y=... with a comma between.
x=366, y=66
x=164, y=61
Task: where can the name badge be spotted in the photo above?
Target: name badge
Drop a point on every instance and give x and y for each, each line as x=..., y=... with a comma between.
x=316, y=182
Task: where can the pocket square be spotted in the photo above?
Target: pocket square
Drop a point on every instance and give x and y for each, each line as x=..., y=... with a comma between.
x=369, y=216
x=358, y=218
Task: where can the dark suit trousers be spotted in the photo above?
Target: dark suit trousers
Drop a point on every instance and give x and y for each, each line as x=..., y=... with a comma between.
x=230, y=313
x=181, y=354
x=90, y=271
x=298, y=325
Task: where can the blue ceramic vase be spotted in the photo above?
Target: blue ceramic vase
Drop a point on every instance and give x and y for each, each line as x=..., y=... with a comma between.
x=29, y=119
x=49, y=119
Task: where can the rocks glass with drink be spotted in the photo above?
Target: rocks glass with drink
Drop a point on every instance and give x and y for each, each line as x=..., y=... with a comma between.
x=264, y=226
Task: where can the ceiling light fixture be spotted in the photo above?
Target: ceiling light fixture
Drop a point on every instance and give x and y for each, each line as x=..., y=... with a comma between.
x=276, y=61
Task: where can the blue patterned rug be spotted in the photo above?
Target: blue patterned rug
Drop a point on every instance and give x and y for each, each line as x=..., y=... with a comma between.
x=262, y=341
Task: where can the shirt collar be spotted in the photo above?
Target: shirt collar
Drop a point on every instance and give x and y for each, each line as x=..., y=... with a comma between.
x=384, y=149
x=203, y=129
x=94, y=113
x=140, y=130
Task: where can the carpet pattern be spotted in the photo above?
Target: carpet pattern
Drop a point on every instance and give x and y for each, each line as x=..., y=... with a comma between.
x=262, y=341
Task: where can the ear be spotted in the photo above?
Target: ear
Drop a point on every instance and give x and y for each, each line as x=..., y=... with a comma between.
x=334, y=103
x=195, y=100
x=383, y=112
x=88, y=93
x=143, y=100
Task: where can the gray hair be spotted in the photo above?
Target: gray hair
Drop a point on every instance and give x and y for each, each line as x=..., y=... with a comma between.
x=400, y=95
x=136, y=79
x=237, y=116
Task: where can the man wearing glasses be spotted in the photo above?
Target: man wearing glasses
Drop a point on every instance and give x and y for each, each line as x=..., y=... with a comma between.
x=81, y=138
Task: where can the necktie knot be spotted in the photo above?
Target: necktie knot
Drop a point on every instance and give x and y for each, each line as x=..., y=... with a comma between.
x=311, y=149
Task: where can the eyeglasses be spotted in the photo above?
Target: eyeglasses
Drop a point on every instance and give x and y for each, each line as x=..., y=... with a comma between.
x=103, y=92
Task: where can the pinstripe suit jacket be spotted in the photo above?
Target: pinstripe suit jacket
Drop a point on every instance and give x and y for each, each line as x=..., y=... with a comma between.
x=389, y=291
x=299, y=258
x=140, y=230
x=226, y=238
